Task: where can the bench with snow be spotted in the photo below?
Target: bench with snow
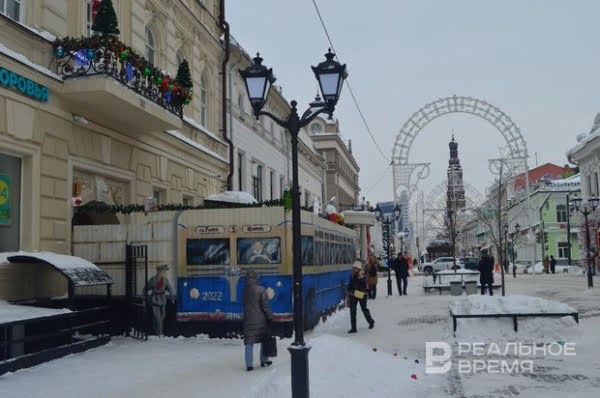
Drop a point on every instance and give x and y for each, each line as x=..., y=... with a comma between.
x=445, y=287
x=441, y=280
x=514, y=316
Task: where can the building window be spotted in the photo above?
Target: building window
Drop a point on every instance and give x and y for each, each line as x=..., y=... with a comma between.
x=11, y=8
x=596, y=184
x=203, y=100
x=257, y=182
x=272, y=190
x=187, y=201
x=240, y=171
x=561, y=213
x=306, y=198
x=281, y=186
x=150, y=49
x=159, y=195
x=89, y=16
x=563, y=250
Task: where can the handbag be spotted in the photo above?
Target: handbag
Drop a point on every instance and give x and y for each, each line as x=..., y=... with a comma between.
x=269, y=346
x=359, y=295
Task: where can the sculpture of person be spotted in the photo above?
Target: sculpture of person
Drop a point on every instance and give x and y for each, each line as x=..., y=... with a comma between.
x=258, y=256
x=156, y=288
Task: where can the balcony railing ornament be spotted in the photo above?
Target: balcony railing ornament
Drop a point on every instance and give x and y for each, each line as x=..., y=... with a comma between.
x=77, y=57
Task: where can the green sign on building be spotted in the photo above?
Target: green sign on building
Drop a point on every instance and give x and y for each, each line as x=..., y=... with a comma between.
x=4, y=199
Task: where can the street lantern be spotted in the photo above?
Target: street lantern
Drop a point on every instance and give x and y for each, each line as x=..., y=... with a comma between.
x=397, y=212
x=378, y=213
x=576, y=202
x=331, y=75
x=258, y=79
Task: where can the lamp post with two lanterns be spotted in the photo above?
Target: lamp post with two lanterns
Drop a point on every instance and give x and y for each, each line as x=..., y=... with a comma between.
x=592, y=201
x=258, y=79
x=386, y=238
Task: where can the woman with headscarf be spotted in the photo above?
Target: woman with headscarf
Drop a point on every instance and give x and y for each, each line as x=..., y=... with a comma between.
x=257, y=316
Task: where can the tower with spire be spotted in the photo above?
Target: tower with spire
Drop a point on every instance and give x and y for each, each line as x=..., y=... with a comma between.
x=456, y=189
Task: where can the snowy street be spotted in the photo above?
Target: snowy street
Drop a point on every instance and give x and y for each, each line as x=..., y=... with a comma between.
x=341, y=365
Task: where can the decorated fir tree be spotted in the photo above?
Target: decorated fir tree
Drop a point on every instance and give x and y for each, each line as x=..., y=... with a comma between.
x=184, y=78
x=106, y=20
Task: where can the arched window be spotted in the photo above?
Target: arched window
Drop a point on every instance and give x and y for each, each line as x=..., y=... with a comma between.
x=150, y=49
x=203, y=100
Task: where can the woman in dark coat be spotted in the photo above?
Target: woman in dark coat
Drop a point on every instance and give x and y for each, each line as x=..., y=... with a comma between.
x=257, y=315
x=486, y=272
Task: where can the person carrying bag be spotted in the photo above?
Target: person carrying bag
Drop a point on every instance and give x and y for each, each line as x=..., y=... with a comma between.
x=357, y=294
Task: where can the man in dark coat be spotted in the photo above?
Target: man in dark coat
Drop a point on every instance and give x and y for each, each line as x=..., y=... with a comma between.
x=486, y=272
x=358, y=287
x=552, y=264
x=400, y=267
x=257, y=315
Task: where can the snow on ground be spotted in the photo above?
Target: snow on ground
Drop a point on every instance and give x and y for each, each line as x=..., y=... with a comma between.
x=530, y=330
x=10, y=312
x=340, y=364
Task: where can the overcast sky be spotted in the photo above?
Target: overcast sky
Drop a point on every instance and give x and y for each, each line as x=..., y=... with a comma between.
x=537, y=60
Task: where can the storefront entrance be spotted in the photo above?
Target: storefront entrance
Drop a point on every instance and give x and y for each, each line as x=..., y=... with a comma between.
x=10, y=203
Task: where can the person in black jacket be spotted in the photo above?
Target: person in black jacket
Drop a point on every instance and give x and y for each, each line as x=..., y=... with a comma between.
x=486, y=272
x=358, y=287
x=400, y=267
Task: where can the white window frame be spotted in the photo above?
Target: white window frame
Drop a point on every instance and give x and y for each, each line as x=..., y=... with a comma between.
x=257, y=181
x=150, y=46
x=203, y=100
x=4, y=9
x=562, y=247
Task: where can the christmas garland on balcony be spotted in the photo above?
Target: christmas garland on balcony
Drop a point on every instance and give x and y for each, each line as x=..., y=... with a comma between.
x=89, y=49
x=101, y=207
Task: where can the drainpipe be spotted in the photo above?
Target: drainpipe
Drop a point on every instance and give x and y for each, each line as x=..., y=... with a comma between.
x=225, y=26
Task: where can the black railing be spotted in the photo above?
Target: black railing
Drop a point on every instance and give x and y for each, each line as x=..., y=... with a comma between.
x=42, y=336
x=76, y=57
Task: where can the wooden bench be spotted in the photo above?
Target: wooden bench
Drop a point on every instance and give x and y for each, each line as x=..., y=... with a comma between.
x=514, y=316
x=441, y=288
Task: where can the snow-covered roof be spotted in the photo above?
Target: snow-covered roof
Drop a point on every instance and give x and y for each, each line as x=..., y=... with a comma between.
x=180, y=136
x=12, y=313
x=232, y=197
x=583, y=141
x=81, y=272
x=200, y=127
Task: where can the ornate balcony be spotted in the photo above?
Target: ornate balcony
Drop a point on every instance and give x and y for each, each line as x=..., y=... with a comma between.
x=85, y=62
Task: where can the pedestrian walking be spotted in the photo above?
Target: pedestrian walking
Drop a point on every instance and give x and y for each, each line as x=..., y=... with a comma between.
x=400, y=267
x=357, y=294
x=486, y=272
x=257, y=317
x=371, y=271
x=157, y=288
x=552, y=264
x=546, y=263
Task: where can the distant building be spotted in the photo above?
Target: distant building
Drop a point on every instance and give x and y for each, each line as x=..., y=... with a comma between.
x=455, y=199
x=341, y=176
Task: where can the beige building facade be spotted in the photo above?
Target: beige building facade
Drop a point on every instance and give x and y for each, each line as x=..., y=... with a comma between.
x=97, y=137
x=341, y=179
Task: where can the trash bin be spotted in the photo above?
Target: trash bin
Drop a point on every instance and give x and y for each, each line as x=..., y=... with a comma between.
x=456, y=288
x=471, y=287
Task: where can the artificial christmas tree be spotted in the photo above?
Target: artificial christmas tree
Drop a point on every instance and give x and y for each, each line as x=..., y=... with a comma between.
x=106, y=20
x=184, y=78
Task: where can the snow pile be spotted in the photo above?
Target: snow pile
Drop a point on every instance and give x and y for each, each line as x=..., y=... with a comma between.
x=232, y=197
x=530, y=330
x=10, y=312
x=538, y=268
x=341, y=367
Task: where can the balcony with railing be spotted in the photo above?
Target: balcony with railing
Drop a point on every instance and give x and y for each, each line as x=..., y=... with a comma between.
x=108, y=80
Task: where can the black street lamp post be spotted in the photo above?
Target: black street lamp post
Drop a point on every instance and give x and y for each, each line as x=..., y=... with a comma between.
x=258, y=79
x=386, y=238
x=593, y=202
x=512, y=247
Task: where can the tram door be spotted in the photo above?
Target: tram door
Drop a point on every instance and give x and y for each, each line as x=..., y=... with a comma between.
x=10, y=203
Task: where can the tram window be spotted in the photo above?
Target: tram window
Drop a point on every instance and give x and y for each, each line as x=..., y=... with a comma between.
x=318, y=253
x=307, y=250
x=259, y=250
x=207, y=252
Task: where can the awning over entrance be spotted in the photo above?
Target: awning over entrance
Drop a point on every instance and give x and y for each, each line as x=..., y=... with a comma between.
x=77, y=270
